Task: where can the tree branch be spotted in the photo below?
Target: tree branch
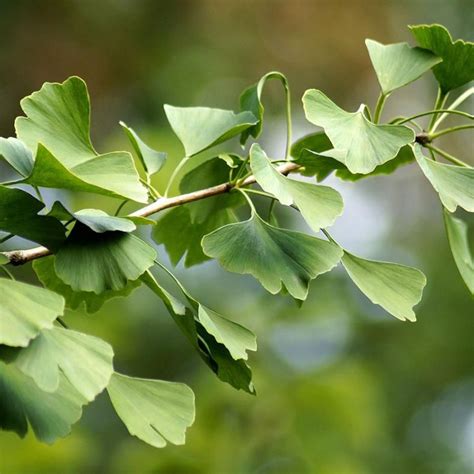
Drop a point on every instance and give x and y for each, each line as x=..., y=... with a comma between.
x=20, y=257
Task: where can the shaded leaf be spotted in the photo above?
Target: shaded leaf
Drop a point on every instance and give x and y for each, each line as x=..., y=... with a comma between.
x=319, y=205
x=22, y=402
x=396, y=65
x=457, y=231
x=151, y=159
x=200, y=128
x=25, y=311
x=274, y=256
x=153, y=410
x=99, y=262
x=19, y=216
x=396, y=288
x=17, y=155
x=454, y=184
x=457, y=67
x=360, y=144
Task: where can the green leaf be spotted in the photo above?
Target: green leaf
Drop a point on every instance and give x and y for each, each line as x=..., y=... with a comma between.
x=454, y=184
x=457, y=231
x=222, y=344
x=25, y=311
x=4, y=260
x=155, y=411
x=274, y=256
x=319, y=205
x=200, y=128
x=360, y=144
x=22, y=402
x=100, y=262
x=457, y=67
x=17, y=155
x=396, y=288
x=151, y=159
x=19, y=216
x=251, y=101
x=396, y=65
x=46, y=273
x=57, y=129
x=85, y=361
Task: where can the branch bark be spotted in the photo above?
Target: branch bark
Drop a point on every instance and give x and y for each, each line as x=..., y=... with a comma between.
x=20, y=257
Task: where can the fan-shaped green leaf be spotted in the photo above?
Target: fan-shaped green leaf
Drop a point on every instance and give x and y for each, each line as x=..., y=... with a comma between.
x=455, y=184
x=99, y=262
x=319, y=205
x=19, y=216
x=274, y=256
x=86, y=361
x=46, y=273
x=151, y=159
x=396, y=65
x=17, y=155
x=361, y=145
x=153, y=410
x=199, y=128
x=397, y=288
x=457, y=231
x=22, y=402
x=25, y=311
x=457, y=67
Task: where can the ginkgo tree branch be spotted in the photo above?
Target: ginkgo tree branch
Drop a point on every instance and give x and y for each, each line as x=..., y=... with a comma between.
x=20, y=257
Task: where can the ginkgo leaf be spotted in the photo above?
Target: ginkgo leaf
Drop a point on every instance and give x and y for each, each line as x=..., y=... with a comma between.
x=200, y=128
x=319, y=205
x=155, y=411
x=251, y=100
x=151, y=159
x=396, y=288
x=46, y=273
x=25, y=311
x=457, y=231
x=457, y=67
x=86, y=361
x=23, y=403
x=222, y=344
x=361, y=144
x=396, y=65
x=454, y=184
x=274, y=256
x=99, y=262
x=57, y=129
x=4, y=260
x=17, y=155
x=19, y=216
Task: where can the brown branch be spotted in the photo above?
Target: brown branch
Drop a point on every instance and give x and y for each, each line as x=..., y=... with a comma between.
x=20, y=257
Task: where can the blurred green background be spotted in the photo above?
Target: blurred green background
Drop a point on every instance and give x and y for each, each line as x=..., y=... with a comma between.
x=342, y=386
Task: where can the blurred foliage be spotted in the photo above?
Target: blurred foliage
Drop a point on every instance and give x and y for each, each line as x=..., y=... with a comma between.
x=342, y=388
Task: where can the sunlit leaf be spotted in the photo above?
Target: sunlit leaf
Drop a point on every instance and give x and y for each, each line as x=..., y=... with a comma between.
x=396, y=65
x=396, y=288
x=100, y=262
x=151, y=159
x=455, y=184
x=457, y=231
x=86, y=361
x=23, y=403
x=155, y=411
x=17, y=155
x=4, y=260
x=199, y=128
x=46, y=273
x=360, y=144
x=274, y=256
x=57, y=124
x=319, y=205
x=25, y=310
x=457, y=67
x=19, y=216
